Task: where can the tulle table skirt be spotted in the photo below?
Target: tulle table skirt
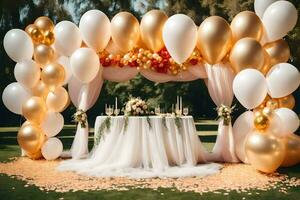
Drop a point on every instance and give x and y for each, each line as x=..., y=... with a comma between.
x=144, y=147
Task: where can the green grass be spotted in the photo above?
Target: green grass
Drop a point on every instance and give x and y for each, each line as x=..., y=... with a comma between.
x=11, y=188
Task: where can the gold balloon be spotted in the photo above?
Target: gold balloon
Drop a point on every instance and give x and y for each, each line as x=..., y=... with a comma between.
x=214, y=39
x=125, y=31
x=31, y=138
x=35, y=33
x=278, y=51
x=247, y=53
x=272, y=103
x=246, y=24
x=43, y=54
x=264, y=151
x=40, y=90
x=35, y=156
x=44, y=24
x=48, y=38
x=292, y=153
x=53, y=75
x=57, y=100
x=151, y=29
x=287, y=102
x=261, y=121
x=34, y=110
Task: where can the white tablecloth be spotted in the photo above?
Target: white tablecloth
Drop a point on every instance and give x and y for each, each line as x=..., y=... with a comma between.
x=147, y=147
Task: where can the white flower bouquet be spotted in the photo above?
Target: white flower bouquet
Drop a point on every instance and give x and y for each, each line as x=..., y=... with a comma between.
x=137, y=107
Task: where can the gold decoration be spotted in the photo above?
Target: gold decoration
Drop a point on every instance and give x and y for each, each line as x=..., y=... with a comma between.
x=44, y=24
x=31, y=138
x=34, y=110
x=292, y=153
x=287, y=102
x=53, y=75
x=214, y=39
x=125, y=31
x=278, y=51
x=151, y=29
x=43, y=54
x=246, y=24
x=247, y=53
x=261, y=121
x=264, y=151
x=35, y=33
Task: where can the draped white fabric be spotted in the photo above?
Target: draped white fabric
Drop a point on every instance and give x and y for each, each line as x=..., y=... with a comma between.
x=219, y=84
x=83, y=96
x=143, y=150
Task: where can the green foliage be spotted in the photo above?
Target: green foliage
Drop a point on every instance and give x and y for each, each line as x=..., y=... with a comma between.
x=19, y=13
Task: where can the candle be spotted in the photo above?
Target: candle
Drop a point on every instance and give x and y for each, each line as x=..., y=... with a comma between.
x=116, y=103
x=180, y=103
x=177, y=103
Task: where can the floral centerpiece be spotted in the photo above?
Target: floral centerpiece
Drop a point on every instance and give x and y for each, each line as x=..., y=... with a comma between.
x=137, y=107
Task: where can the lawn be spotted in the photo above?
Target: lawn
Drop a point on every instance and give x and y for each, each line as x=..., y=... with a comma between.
x=11, y=188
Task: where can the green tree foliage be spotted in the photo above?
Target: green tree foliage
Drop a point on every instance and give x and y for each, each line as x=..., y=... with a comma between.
x=20, y=13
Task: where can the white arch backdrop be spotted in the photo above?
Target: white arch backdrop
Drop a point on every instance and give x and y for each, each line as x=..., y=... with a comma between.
x=217, y=78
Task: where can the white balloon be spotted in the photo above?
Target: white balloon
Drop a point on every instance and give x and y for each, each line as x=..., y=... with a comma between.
x=18, y=45
x=13, y=97
x=275, y=126
x=250, y=88
x=65, y=62
x=94, y=26
x=279, y=18
x=67, y=38
x=27, y=72
x=52, y=124
x=260, y=6
x=242, y=126
x=52, y=149
x=289, y=120
x=85, y=64
x=180, y=37
x=282, y=80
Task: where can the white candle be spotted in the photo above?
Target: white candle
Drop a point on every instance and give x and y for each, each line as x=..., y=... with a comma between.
x=180, y=103
x=116, y=103
x=177, y=103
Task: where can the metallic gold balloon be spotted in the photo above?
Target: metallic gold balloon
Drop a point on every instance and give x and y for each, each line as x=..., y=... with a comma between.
x=48, y=38
x=35, y=33
x=53, y=75
x=287, y=102
x=272, y=103
x=57, y=100
x=151, y=29
x=278, y=51
x=34, y=110
x=214, y=39
x=264, y=151
x=261, y=121
x=35, y=156
x=292, y=153
x=247, y=53
x=113, y=49
x=246, y=24
x=31, y=138
x=44, y=24
x=125, y=31
x=40, y=90
x=43, y=54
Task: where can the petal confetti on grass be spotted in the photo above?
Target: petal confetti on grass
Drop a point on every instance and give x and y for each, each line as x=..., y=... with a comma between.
x=233, y=177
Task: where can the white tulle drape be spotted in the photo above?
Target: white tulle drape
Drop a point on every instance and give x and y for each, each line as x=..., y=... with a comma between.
x=142, y=150
x=219, y=84
x=83, y=96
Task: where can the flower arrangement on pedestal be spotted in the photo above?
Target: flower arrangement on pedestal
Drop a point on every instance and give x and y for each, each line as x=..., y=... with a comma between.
x=137, y=107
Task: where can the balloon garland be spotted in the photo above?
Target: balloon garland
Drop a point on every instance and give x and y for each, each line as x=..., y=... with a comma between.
x=47, y=55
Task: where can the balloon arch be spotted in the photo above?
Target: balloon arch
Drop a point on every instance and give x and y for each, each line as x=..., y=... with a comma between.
x=246, y=58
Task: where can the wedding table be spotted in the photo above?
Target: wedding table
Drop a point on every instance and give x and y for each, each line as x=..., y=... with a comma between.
x=142, y=147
